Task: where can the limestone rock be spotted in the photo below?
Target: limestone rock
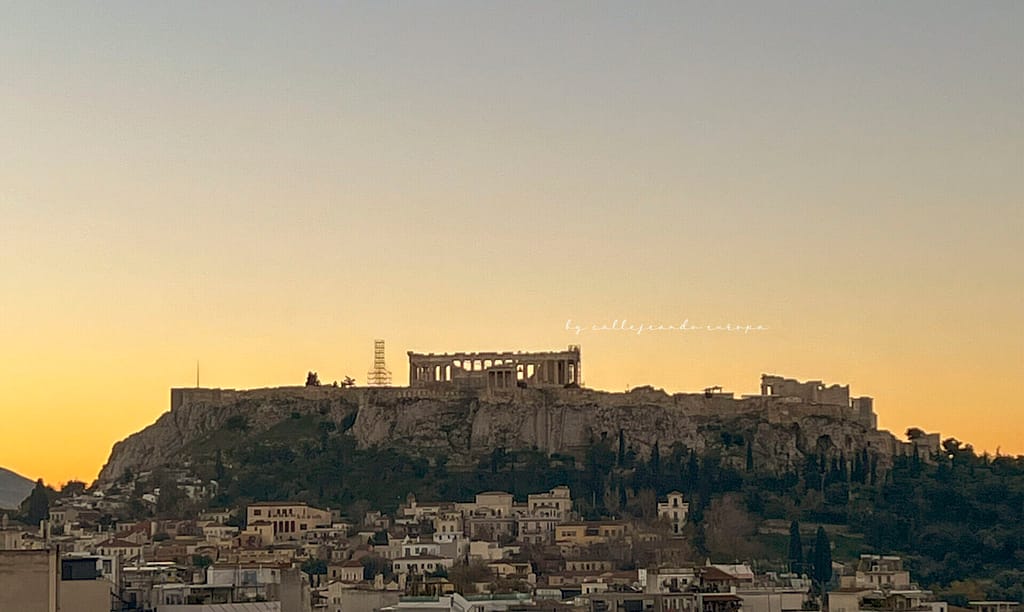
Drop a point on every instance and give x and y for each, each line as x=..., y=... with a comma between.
x=467, y=425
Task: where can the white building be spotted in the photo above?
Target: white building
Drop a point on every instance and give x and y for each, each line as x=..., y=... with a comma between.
x=674, y=510
x=557, y=502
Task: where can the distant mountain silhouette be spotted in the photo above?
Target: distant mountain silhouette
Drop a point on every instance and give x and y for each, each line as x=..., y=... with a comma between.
x=14, y=488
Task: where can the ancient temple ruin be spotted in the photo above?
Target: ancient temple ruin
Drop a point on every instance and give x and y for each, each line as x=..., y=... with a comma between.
x=504, y=370
x=817, y=393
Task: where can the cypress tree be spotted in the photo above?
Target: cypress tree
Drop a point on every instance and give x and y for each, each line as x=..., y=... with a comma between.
x=692, y=469
x=37, y=505
x=822, y=557
x=218, y=469
x=796, y=548
x=655, y=461
x=622, y=449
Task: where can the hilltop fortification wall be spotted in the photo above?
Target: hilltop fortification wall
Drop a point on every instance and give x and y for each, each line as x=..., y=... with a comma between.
x=465, y=424
x=774, y=409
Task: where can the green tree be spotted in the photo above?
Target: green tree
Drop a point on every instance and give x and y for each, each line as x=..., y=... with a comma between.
x=796, y=548
x=237, y=422
x=440, y=572
x=655, y=463
x=822, y=557
x=170, y=500
x=729, y=530
x=218, y=468
x=72, y=487
x=314, y=567
x=37, y=506
x=374, y=565
x=692, y=469
x=236, y=519
x=466, y=577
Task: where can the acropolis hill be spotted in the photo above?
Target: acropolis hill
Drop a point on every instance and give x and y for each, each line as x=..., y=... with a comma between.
x=464, y=405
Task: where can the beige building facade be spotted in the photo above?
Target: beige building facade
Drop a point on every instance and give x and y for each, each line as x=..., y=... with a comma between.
x=287, y=520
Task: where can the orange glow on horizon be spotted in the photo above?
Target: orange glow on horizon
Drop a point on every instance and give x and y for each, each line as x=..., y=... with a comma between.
x=269, y=190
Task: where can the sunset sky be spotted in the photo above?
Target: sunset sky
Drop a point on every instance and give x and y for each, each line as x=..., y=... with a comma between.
x=266, y=188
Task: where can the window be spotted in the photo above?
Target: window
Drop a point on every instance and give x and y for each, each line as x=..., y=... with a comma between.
x=257, y=512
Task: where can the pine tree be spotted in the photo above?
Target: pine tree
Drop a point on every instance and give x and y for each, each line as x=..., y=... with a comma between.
x=750, y=457
x=622, y=449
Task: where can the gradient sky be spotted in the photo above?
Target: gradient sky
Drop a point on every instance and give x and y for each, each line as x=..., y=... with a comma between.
x=267, y=187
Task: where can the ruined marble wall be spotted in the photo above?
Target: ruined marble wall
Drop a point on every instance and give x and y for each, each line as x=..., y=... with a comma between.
x=812, y=391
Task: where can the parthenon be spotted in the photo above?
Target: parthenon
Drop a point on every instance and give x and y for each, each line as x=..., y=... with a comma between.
x=503, y=370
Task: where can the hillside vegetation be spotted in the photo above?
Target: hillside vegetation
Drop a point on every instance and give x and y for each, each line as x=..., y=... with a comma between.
x=957, y=517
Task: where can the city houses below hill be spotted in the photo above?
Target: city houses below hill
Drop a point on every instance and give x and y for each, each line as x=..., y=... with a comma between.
x=491, y=554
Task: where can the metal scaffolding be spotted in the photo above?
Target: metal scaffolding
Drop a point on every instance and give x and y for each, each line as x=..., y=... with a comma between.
x=379, y=376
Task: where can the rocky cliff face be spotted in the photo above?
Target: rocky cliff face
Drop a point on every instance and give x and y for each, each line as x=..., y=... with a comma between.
x=197, y=417
x=464, y=426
